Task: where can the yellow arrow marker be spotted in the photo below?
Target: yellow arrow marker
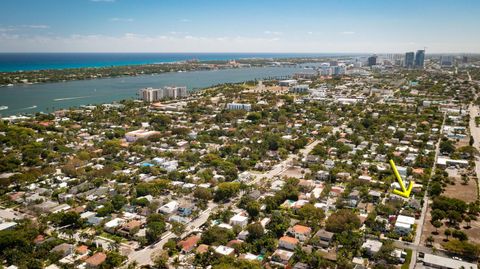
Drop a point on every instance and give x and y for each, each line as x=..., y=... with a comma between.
x=405, y=192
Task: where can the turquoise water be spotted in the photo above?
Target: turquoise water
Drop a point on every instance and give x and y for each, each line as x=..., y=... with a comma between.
x=38, y=61
x=46, y=97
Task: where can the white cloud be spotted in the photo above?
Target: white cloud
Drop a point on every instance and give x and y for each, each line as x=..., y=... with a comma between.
x=178, y=33
x=347, y=33
x=11, y=28
x=267, y=32
x=122, y=19
x=185, y=20
x=132, y=42
x=36, y=26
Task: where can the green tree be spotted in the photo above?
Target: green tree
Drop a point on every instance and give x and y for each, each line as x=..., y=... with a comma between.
x=437, y=224
x=154, y=231
x=311, y=215
x=113, y=260
x=203, y=194
x=118, y=201
x=226, y=190
x=253, y=209
x=217, y=236
x=255, y=231
x=279, y=223
x=342, y=220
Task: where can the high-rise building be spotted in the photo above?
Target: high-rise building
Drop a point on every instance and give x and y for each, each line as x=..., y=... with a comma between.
x=409, y=59
x=446, y=60
x=338, y=70
x=420, y=59
x=372, y=60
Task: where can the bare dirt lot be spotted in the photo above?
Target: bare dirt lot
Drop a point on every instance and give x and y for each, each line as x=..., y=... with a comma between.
x=295, y=172
x=467, y=193
x=473, y=232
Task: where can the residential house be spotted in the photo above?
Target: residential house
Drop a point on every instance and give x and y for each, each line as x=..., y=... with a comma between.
x=288, y=242
x=185, y=209
x=169, y=208
x=323, y=238
x=95, y=260
x=224, y=250
x=188, y=244
x=300, y=232
x=63, y=249
x=372, y=246
x=403, y=224
x=282, y=256
x=240, y=220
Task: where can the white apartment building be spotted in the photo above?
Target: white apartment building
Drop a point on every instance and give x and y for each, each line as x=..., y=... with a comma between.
x=238, y=106
x=153, y=95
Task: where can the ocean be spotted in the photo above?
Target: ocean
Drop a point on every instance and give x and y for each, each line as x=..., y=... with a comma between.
x=10, y=62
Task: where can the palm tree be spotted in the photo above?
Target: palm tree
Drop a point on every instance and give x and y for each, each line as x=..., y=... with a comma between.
x=448, y=232
x=430, y=240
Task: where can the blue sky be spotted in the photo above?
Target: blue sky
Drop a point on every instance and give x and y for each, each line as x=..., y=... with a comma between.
x=375, y=26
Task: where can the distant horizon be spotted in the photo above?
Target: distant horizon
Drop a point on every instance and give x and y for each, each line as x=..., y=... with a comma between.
x=277, y=26
x=226, y=52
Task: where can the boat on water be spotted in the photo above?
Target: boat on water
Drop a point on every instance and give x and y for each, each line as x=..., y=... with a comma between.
x=3, y=107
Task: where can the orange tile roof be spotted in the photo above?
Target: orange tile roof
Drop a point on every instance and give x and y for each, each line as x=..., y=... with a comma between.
x=233, y=242
x=188, y=243
x=39, y=239
x=301, y=229
x=418, y=171
x=96, y=259
x=202, y=248
x=289, y=239
x=81, y=249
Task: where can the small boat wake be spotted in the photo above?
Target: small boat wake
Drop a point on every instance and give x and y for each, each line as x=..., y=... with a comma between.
x=28, y=108
x=71, y=98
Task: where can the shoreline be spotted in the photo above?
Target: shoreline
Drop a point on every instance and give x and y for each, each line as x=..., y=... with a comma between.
x=9, y=79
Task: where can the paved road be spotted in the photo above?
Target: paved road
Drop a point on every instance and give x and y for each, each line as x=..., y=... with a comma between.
x=144, y=256
x=283, y=165
x=475, y=133
x=418, y=235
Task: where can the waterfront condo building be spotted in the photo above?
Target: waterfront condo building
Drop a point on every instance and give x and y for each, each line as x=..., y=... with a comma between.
x=238, y=106
x=153, y=95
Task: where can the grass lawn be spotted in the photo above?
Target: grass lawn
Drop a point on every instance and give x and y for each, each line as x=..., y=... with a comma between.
x=408, y=259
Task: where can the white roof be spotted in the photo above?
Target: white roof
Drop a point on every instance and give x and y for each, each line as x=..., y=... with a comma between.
x=224, y=250
x=7, y=225
x=238, y=218
x=169, y=207
x=114, y=223
x=402, y=225
x=447, y=262
x=250, y=256
x=372, y=245
x=86, y=215
x=405, y=219
x=225, y=226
